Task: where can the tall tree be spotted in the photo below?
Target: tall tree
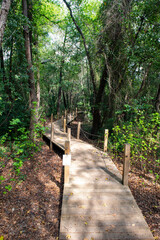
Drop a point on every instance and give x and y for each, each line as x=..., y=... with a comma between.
x=31, y=81
x=97, y=91
x=61, y=74
x=3, y=17
x=158, y=100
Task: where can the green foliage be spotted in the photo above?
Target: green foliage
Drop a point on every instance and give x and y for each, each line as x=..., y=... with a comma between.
x=125, y=38
x=142, y=133
x=21, y=148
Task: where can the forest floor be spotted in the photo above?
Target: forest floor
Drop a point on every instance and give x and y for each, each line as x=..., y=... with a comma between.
x=31, y=210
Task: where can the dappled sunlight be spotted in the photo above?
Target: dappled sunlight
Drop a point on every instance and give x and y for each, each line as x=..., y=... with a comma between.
x=95, y=203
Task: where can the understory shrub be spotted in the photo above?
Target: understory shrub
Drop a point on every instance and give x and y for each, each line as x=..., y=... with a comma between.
x=142, y=133
x=16, y=147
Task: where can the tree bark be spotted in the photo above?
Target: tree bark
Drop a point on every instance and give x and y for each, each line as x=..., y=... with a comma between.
x=60, y=87
x=60, y=76
x=96, y=111
x=144, y=80
x=10, y=61
x=31, y=81
x=3, y=73
x=3, y=18
x=38, y=88
x=64, y=101
x=37, y=76
x=157, y=105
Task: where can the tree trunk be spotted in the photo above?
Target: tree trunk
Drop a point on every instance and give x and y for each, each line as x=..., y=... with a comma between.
x=37, y=77
x=61, y=75
x=92, y=74
x=3, y=73
x=144, y=80
x=64, y=101
x=60, y=88
x=3, y=17
x=157, y=105
x=96, y=110
x=10, y=62
x=38, y=88
x=31, y=81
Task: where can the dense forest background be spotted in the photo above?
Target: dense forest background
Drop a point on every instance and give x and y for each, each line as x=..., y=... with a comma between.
x=101, y=56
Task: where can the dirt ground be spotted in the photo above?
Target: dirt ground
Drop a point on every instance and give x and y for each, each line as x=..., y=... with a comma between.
x=31, y=210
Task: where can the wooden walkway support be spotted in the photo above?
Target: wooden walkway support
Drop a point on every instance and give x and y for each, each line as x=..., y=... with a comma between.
x=105, y=140
x=66, y=168
x=69, y=134
x=64, y=125
x=78, y=129
x=126, y=164
x=51, y=137
x=96, y=205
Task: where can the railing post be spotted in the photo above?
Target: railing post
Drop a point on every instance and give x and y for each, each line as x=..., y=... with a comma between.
x=51, y=131
x=66, y=168
x=52, y=135
x=65, y=114
x=51, y=118
x=64, y=125
x=78, y=129
x=58, y=115
x=69, y=134
x=105, y=140
x=62, y=121
x=76, y=112
x=126, y=164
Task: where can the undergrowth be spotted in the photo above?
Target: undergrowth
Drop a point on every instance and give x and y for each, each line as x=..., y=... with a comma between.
x=142, y=133
x=16, y=147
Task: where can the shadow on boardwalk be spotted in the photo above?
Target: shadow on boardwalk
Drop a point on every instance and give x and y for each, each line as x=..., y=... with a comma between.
x=96, y=206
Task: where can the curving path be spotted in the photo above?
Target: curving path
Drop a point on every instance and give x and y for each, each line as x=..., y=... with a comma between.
x=96, y=206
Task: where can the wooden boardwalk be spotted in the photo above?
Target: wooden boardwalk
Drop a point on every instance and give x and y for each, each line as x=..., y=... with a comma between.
x=96, y=206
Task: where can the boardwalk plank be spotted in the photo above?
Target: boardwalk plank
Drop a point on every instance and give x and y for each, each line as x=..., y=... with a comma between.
x=95, y=204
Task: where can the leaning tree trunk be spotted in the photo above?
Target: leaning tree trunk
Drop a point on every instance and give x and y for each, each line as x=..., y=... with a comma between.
x=3, y=17
x=92, y=73
x=31, y=81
